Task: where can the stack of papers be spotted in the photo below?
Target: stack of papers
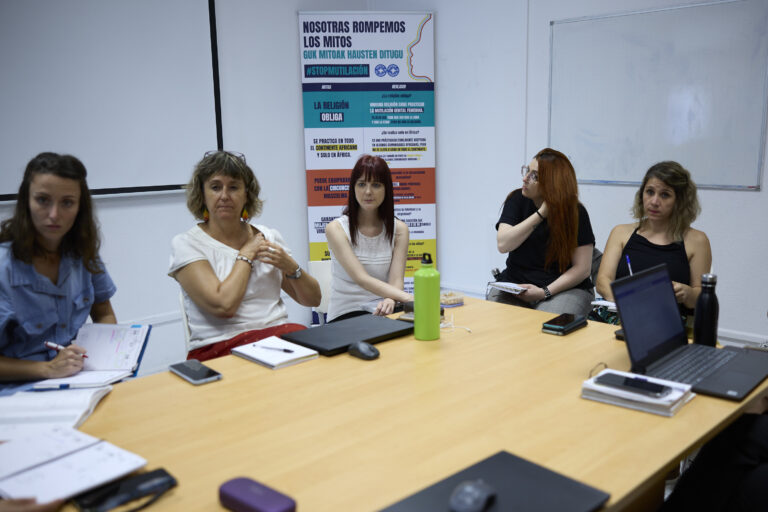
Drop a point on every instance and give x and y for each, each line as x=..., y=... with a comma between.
x=274, y=352
x=667, y=405
x=507, y=287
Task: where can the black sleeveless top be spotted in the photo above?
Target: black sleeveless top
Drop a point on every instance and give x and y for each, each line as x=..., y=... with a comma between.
x=644, y=254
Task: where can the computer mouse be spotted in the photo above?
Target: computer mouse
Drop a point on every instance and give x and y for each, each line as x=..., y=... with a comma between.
x=363, y=350
x=472, y=496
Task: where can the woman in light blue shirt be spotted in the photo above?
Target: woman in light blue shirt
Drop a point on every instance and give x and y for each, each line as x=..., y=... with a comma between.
x=51, y=277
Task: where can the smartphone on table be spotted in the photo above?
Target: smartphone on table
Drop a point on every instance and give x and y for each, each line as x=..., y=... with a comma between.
x=563, y=324
x=633, y=385
x=195, y=372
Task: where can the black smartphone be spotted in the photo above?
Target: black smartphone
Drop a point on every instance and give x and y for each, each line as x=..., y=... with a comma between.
x=633, y=385
x=195, y=372
x=563, y=324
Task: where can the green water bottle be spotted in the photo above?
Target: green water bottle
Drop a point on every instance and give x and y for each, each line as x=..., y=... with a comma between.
x=426, y=301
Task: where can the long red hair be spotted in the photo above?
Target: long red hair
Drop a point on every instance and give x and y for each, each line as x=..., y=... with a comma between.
x=558, y=187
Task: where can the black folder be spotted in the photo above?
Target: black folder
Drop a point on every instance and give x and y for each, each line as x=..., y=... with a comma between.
x=519, y=484
x=335, y=337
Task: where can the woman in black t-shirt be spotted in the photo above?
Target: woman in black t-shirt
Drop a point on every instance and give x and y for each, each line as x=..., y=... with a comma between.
x=549, y=238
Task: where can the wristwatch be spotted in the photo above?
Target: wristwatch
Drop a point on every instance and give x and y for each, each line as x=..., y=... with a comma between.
x=547, y=293
x=295, y=275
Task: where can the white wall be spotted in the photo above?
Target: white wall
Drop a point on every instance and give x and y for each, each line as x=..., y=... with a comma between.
x=491, y=118
x=480, y=66
x=732, y=219
x=262, y=114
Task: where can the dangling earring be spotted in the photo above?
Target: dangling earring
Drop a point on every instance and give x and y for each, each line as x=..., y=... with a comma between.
x=244, y=216
x=206, y=215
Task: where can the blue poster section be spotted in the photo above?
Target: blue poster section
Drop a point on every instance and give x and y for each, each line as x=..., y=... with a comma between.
x=382, y=108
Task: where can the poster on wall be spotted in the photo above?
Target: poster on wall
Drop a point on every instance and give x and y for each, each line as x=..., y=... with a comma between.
x=368, y=88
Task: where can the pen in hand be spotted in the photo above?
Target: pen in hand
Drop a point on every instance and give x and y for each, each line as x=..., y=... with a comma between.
x=286, y=350
x=59, y=348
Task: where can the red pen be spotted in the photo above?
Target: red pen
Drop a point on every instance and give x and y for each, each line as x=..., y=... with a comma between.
x=56, y=346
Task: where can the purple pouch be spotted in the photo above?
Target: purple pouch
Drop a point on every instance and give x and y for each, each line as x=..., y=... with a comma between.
x=246, y=495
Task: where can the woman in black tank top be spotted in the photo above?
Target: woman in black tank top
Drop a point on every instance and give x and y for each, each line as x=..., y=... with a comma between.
x=665, y=206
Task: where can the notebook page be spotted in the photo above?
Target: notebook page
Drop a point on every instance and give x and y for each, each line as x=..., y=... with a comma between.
x=39, y=446
x=111, y=346
x=67, y=408
x=84, y=379
x=73, y=474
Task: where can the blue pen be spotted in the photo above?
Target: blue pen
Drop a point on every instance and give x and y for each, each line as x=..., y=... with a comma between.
x=629, y=266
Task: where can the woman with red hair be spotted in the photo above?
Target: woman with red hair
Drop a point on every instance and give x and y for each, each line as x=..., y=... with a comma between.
x=547, y=233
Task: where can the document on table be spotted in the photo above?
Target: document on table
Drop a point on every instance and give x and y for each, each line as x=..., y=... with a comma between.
x=37, y=446
x=61, y=464
x=274, y=352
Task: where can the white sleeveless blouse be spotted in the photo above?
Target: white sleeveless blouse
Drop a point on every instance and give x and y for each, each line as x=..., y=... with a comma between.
x=375, y=254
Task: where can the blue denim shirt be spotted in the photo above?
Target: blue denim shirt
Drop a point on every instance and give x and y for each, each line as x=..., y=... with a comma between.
x=33, y=310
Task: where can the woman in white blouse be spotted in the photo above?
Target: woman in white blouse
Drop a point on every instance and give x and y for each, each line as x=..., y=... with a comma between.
x=368, y=245
x=231, y=272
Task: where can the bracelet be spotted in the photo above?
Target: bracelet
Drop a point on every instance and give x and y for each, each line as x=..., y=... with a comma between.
x=243, y=258
x=540, y=215
x=547, y=293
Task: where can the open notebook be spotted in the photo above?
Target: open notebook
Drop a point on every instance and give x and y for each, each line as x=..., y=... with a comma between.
x=65, y=407
x=114, y=352
x=59, y=463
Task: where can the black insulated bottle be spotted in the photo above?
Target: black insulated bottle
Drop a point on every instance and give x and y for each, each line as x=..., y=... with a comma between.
x=707, y=310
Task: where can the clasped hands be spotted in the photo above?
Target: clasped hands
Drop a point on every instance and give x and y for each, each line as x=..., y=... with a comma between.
x=258, y=248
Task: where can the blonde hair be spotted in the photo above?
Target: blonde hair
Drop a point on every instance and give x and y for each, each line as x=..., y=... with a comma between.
x=686, y=207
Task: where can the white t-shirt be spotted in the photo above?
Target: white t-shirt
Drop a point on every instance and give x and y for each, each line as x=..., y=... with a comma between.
x=261, y=306
x=375, y=254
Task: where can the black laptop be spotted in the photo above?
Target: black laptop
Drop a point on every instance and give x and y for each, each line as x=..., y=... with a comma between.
x=658, y=346
x=520, y=485
x=336, y=337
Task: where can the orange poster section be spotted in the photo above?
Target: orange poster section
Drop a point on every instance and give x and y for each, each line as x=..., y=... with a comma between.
x=328, y=187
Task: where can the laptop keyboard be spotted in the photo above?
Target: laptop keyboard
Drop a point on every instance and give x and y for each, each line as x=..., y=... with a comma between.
x=693, y=364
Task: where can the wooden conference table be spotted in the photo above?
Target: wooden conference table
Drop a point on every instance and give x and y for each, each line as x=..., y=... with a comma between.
x=343, y=434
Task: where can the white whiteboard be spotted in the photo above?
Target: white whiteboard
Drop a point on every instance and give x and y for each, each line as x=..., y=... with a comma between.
x=687, y=84
x=126, y=86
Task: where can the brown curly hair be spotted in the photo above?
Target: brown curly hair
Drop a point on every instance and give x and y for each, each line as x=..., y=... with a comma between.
x=686, y=207
x=228, y=164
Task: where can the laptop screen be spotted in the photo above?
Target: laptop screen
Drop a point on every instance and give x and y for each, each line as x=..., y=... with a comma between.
x=649, y=315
